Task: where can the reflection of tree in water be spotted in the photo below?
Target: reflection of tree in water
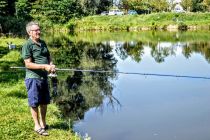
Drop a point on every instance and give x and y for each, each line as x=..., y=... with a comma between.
x=135, y=51
x=80, y=91
x=77, y=92
x=152, y=40
x=70, y=101
x=159, y=53
x=187, y=51
x=201, y=47
x=69, y=56
x=207, y=53
x=57, y=40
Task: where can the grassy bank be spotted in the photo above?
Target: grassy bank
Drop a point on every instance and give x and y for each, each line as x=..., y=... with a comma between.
x=155, y=21
x=15, y=118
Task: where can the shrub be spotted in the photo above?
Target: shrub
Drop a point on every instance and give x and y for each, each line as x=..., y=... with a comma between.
x=182, y=26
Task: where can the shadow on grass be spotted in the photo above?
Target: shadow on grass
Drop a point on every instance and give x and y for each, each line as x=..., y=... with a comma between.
x=5, y=65
x=11, y=76
x=62, y=126
x=17, y=94
x=3, y=51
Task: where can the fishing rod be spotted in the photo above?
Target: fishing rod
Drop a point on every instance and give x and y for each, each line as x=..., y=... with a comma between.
x=120, y=72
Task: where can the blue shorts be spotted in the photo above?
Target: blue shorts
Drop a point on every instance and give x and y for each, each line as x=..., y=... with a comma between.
x=38, y=92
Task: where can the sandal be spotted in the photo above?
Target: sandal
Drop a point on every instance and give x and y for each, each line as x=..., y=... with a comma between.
x=46, y=127
x=42, y=132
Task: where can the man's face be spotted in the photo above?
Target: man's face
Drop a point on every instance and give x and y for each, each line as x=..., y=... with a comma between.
x=35, y=32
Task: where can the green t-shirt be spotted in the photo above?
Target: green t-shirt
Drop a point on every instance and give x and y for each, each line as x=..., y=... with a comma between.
x=39, y=55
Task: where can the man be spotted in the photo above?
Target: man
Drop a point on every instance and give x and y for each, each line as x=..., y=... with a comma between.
x=38, y=64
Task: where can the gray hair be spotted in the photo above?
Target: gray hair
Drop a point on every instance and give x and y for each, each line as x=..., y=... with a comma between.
x=28, y=26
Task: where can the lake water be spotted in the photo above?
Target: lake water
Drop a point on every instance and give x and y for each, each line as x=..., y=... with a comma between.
x=113, y=106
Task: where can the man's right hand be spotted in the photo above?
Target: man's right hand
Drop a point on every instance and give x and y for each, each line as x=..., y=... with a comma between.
x=50, y=68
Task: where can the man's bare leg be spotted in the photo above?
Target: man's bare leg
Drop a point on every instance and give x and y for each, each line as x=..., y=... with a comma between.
x=35, y=116
x=43, y=112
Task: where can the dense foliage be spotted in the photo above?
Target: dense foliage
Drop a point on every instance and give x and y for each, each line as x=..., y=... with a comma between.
x=48, y=12
x=147, y=6
x=60, y=11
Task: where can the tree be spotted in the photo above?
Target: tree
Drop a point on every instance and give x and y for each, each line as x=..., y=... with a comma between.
x=141, y=6
x=103, y=6
x=146, y=6
x=3, y=7
x=61, y=11
x=187, y=4
x=125, y=4
x=56, y=11
x=159, y=5
x=197, y=5
x=7, y=7
x=11, y=7
x=89, y=7
x=206, y=4
x=23, y=9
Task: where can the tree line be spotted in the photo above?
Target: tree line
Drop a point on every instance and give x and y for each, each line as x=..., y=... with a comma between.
x=60, y=11
x=148, y=6
x=14, y=13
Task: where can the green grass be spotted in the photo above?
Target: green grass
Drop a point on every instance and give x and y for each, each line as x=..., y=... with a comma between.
x=15, y=119
x=138, y=22
x=17, y=41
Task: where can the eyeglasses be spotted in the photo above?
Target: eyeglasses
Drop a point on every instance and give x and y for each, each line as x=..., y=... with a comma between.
x=36, y=30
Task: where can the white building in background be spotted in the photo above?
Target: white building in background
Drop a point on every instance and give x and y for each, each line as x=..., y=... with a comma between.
x=174, y=1
x=178, y=8
x=177, y=1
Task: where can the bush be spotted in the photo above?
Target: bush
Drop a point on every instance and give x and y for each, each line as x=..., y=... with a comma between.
x=71, y=25
x=13, y=25
x=182, y=26
x=154, y=26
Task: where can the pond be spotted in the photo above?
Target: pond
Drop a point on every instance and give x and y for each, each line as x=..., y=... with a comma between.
x=112, y=105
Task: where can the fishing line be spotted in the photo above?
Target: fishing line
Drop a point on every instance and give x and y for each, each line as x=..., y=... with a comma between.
x=128, y=73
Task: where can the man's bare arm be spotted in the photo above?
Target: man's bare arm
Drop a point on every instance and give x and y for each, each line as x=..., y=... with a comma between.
x=30, y=65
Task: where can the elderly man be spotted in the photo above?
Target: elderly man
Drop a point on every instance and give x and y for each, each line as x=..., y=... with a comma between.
x=38, y=64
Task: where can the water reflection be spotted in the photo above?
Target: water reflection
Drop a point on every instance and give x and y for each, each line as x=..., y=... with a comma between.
x=78, y=93
x=162, y=44
x=159, y=50
x=81, y=91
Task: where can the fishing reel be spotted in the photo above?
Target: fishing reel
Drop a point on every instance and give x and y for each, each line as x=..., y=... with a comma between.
x=52, y=75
